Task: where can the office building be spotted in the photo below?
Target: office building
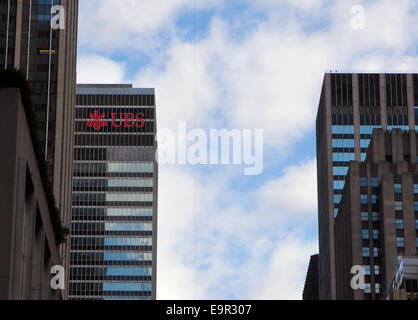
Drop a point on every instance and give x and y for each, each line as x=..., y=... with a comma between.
x=377, y=222
x=46, y=54
x=311, y=289
x=28, y=247
x=405, y=282
x=350, y=107
x=114, y=215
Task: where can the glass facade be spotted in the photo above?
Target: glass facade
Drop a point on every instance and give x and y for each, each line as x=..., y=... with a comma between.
x=113, y=233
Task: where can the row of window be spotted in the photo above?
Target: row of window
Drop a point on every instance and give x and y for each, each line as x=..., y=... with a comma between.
x=113, y=167
x=112, y=212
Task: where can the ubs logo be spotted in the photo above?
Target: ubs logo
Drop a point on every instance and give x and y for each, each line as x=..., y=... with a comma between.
x=126, y=119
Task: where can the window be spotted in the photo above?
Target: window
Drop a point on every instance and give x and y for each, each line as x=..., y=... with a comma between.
x=377, y=287
x=367, y=288
x=375, y=216
x=366, y=269
x=364, y=216
x=375, y=234
x=363, y=198
x=416, y=224
x=374, y=182
x=339, y=184
x=366, y=251
x=363, y=181
x=397, y=187
x=340, y=171
x=398, y=205
x=415, y=187
x=399, y=224
x=374, y=199
x=337, y=198
x=376, y=269
x=376, y=252
x=365, y=234
x=400, y=242
x=416, y=205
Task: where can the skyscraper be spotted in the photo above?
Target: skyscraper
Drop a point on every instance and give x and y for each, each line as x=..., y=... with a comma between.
x=29, y=41
x=377, y=221
x=351, y=105
x=114, y=215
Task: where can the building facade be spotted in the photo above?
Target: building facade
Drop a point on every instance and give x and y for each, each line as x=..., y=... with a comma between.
x=28, y=246
x=404, y=285
x=47, y=56
x=377, y=223
x=311, y=289
x=114, y=215
x=350, y=107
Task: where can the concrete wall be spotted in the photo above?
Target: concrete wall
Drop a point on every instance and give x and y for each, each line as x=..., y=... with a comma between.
x=27, y=240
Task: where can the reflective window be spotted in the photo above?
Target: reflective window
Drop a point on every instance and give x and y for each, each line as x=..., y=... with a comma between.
x=130, y=167
x=129, y=212
x=343, y=156
x=342, y=129
x=339, y=184
x=398, y=206
x=366, y=269
x=376, y=252
x=366, y=252
x=399, y=224
x=375, y=234
x=367, y=129
x=364, y=143
x=127, y=256
x=363, y=199
x=115, y=286
x=415, y=187
x=342, y=143
x=363, y=156
x=340, y=171
x=364, y=216
x=375, y=216
x=128, y=241
x=365, y=234
x=400, y=242
x=117, y=226
x=363, y=181
x=128, y=271
x=397, y=187
x=138, y=183
x=374, y=199
x=416, y=205
x=129, y=197
x=337, y=198
x=374, y=182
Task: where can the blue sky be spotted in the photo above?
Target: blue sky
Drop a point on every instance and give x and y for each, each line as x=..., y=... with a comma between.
x=248, y=65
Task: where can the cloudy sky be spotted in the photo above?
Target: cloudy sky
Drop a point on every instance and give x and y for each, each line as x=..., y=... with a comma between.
x=242, y=64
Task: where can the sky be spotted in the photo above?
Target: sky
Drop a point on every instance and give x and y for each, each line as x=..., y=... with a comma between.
x=249, y=65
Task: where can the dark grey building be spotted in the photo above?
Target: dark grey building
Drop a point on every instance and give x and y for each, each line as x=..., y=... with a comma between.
x=114, y=215
x=47, y=56
x=377, y=222
x=350, y=107
x=311, y=289
x=28, y=246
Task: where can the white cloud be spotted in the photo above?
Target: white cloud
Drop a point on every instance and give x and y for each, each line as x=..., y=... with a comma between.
x=98, y=69
x=215, y=242
x=220, y=251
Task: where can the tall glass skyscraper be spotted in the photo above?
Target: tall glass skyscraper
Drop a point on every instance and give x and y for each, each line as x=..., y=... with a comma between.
x=350, y=107
x=114, y=214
